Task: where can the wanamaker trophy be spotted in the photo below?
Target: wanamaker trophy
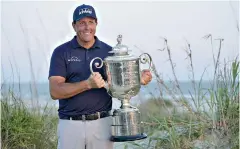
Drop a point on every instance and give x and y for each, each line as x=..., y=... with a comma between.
x=123, y=82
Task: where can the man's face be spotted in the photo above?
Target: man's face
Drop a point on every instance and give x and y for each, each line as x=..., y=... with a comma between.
x=85, y=29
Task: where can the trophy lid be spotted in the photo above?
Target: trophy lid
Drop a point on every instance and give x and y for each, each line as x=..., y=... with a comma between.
x=120, y=52
x=119, y=49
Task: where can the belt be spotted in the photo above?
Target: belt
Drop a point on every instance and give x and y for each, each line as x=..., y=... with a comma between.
x=84, y=117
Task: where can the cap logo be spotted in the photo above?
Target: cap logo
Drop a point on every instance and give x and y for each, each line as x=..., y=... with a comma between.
x=85, y=10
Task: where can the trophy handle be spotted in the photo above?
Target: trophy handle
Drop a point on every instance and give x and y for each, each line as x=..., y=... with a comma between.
x=97, y=65
x=146, y=58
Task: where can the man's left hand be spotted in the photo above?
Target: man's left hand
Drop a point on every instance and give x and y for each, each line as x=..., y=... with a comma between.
x=146, y=77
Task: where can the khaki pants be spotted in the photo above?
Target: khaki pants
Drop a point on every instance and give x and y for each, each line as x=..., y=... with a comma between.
x=77, y=134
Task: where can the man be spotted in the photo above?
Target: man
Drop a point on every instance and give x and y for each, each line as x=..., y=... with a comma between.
x=84, y=104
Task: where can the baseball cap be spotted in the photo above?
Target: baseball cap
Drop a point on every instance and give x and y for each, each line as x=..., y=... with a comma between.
x=84, y=11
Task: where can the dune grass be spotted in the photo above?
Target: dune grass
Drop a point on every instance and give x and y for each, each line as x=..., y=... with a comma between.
x=23, y=127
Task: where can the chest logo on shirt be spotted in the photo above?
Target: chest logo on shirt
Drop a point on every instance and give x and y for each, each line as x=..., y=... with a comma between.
x=74, y=59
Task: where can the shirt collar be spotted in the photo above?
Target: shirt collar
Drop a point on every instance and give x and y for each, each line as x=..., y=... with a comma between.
x=76, y=45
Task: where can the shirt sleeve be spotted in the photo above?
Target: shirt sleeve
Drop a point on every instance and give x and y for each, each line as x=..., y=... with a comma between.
x=57, y=64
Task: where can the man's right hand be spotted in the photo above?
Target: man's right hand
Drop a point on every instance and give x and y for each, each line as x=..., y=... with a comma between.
x=95, y=80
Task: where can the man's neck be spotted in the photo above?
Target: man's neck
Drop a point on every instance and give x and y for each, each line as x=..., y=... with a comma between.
x=86, y=45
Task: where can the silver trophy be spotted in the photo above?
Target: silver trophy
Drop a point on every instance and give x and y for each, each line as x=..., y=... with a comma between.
x=123, y=82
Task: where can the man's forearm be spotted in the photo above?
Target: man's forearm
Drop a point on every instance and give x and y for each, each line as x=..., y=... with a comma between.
x=66, y=90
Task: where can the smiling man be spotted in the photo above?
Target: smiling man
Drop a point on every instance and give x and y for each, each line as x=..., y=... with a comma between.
x=84, y=104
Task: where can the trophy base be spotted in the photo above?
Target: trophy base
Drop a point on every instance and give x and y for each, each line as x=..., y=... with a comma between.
x=128, y=138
